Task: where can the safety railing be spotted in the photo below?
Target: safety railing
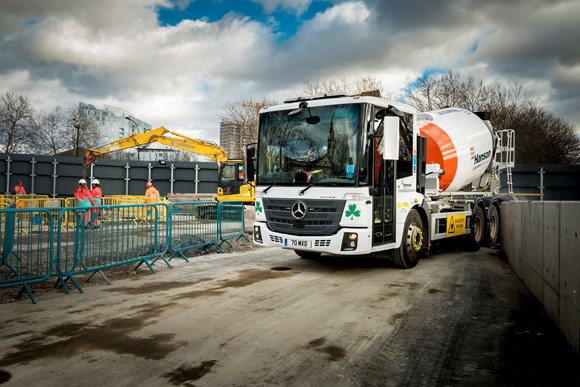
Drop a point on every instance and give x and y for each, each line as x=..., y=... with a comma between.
x=92, y=246
x=36, y=244
x=27, y=248
x=232, y=223
x=192, y=225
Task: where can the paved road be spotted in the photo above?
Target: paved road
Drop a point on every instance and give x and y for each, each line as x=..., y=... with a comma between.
x=265, y=317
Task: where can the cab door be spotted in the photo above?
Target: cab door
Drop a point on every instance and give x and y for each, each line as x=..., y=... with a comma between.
x=383, y=196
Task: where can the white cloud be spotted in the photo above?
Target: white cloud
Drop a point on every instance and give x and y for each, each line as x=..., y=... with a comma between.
x=296, y=6
x=61, y=52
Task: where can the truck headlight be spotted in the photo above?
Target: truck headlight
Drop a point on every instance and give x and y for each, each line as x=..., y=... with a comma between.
x=257, y=234
x=349, y=241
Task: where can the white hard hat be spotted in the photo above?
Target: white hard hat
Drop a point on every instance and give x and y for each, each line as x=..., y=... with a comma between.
x=96, y=181
x=148, y=184
x=82, y=181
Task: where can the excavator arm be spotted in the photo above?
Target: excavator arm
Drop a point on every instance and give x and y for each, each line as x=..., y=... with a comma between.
x=163, y=136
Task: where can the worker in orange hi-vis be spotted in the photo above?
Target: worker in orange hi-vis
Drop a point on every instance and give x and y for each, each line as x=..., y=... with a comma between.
x=84, y=198
x=19, y=188
x=97, y=193
x=151, y=193
x=151, y=196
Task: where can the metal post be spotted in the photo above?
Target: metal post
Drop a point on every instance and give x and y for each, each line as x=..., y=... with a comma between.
x=54, y=176
x=196, y=176
x=8, y=161
x=149, y=168
x=541, y=187
x=91, y=174
x=171, y=180
x=127, y=167
x=32, y=176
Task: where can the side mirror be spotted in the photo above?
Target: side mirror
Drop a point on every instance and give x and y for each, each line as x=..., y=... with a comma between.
x=250, y=155
x=250, y=152
x=390, y=143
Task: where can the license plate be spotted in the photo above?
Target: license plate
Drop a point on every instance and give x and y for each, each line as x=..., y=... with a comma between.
x=297, y=243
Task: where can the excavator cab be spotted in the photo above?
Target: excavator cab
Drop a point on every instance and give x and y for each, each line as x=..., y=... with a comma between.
x=231, y=176
x=236, y=179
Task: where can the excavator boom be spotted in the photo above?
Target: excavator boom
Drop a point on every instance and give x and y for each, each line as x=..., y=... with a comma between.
x=163, y=136
x=233, y=183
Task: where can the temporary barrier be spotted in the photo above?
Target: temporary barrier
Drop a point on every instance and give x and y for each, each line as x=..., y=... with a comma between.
x=192, y=225
x=231, y=224
x=27, y=248
x=90, y=247
x=67, y=242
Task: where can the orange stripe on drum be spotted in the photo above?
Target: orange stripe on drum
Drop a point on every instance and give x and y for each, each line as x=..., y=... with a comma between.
x=441, y=150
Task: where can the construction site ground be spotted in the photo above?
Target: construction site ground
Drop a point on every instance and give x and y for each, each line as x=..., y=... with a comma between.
x=263, y=316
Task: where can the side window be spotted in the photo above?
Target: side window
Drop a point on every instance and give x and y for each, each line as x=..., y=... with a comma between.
x=365, y=169
x=228, y=172
x=405, y=162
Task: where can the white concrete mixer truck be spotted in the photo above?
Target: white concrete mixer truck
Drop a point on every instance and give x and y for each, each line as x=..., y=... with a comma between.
x=354, y=175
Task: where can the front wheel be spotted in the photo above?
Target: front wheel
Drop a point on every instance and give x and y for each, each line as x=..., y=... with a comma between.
x=407, y=255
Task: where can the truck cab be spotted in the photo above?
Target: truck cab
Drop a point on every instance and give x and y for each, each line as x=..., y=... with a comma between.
x=353, y=175
x=336, y=175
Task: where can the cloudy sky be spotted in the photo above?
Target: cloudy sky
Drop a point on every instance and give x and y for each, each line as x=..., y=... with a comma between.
x=178, y=62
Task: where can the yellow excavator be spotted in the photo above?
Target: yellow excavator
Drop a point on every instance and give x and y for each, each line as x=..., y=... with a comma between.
x=233, y=183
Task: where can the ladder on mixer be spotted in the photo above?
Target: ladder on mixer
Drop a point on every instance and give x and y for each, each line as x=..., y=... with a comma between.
x=505, y=154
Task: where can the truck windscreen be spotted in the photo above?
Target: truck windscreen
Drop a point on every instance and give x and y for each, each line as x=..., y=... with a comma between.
x=316, y=146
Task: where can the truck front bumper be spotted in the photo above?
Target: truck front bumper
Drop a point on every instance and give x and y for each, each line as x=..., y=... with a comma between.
x=347, y=241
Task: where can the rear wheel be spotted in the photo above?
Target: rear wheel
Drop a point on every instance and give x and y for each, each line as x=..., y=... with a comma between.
x=494, y=224
x=307, y=254
x=477, y=229
x=407, y=255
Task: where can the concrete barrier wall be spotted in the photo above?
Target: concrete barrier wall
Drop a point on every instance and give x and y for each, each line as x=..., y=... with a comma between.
x=542, y=243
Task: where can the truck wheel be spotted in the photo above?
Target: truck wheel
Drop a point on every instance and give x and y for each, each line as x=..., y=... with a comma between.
x=407, y=255
x=494, y=224
x=307, y=254
x=477, y=229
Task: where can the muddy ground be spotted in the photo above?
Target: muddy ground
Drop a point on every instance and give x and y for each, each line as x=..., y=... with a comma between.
x=265, y=317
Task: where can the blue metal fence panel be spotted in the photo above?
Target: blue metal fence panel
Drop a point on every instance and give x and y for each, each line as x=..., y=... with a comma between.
x=231, y=222
x=192, y=225
x=124, y=234
x=27, y=247
x=61, y=243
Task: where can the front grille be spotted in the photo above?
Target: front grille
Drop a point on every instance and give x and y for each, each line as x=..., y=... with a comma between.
x=322, y=216
x=322, y=242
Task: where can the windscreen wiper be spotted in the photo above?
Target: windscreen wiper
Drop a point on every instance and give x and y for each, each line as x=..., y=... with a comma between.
x=305, y=189
x=267, y=188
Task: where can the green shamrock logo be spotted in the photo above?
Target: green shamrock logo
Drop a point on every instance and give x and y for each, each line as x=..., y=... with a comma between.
x=259, y=208
x=352, y=212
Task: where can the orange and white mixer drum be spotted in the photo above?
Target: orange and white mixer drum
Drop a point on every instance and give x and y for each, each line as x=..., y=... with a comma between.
x=461, y=143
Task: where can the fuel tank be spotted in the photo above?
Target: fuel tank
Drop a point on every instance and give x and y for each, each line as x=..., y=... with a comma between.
x=461, y=143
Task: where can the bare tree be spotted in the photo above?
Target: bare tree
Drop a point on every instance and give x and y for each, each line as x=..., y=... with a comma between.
x=82, y=132
x=50, y=132
x=541, y=137
x=15, y=119
x=243, y=116
x=354, y=86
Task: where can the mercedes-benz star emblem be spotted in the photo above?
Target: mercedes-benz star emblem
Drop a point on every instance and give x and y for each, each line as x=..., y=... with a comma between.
x=299, y=210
